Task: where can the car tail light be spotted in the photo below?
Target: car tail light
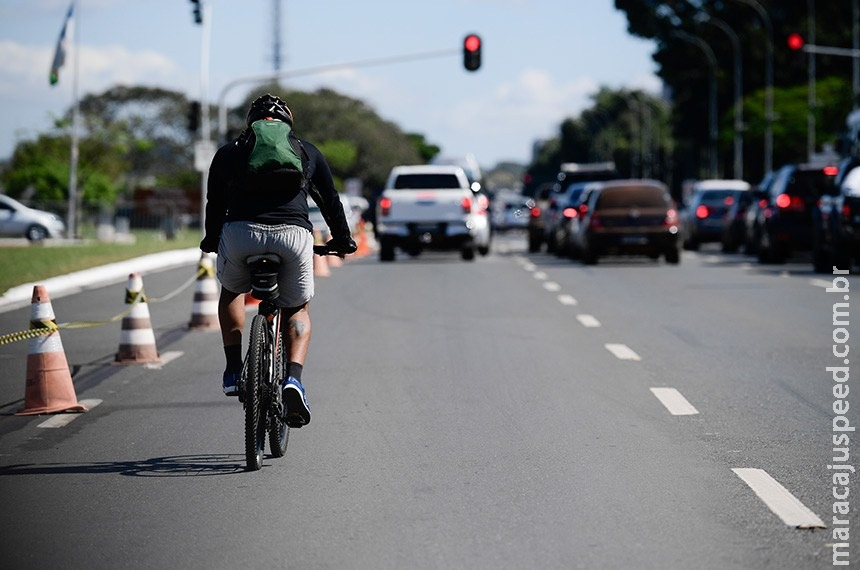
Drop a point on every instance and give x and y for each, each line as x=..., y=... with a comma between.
x=466, y=203
x=846, y=211
x=483, y=204
x=787, y=202
x=570, y=213
x=762, y=204
x=729, y=200
x=535, y=212
x=385, y=206
x=702, y=212
x=671, y=218
x=831, y=170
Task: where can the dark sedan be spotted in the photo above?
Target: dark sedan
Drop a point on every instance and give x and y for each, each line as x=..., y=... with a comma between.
x=629, y=217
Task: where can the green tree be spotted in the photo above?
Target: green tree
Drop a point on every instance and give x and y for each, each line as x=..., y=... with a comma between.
x=128, y=134
x=325, y=115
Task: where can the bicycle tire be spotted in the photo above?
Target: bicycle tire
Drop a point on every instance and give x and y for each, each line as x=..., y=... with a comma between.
x=255, y=419
x=279, y=431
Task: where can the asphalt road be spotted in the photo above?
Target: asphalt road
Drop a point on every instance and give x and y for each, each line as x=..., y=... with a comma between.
x=518, y=411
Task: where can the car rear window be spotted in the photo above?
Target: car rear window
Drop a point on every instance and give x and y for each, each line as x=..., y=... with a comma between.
x=638, y=196
x=809, y=183
x=426, y=181
x=716, y=197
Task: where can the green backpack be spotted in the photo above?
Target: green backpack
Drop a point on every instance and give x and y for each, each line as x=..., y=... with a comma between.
x=275, y=147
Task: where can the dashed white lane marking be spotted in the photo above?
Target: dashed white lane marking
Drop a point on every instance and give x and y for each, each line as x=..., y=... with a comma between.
x=588, y=321
x=622, y=351
x=566, y=300
x=62, y=420
x=821, y=283
x=778, y=499
x=676, y=403
x=551, y=286
x=540, y=275
x=529, y=266
x=165, y=358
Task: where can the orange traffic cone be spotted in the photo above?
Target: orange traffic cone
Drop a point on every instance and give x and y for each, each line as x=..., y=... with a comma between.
x=361, y=242
x=137, y=339
x=320, y=262
x=49, y=383
x=204, y=310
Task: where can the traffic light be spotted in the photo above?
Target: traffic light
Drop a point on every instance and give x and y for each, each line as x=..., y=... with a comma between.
x=472, y=52
x=198, y=15
x=795, y=41
x=193, y=116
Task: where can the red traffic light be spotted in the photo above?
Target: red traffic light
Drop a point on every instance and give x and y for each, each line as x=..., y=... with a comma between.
x=472, y=52
x=472, y=43
x=795, y=41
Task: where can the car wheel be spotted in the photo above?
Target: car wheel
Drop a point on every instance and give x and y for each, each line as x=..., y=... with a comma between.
x=468, y=252
x=386, y=249
x=36, y=233
x=673, y=256
x=484, y=250
x=534, y=243
x=763, y=248
x=841, y=259
x=589, y=257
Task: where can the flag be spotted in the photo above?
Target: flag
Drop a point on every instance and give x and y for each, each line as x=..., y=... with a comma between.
x=60, y=54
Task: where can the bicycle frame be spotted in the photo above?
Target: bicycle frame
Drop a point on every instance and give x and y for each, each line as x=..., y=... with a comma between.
x=260, y=384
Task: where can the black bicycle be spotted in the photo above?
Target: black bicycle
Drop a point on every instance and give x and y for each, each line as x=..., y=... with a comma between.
x=265, y=364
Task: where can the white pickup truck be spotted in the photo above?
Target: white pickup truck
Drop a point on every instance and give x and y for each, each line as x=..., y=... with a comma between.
x=431, y=207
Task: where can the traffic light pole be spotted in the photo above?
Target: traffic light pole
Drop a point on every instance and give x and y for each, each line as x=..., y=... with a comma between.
x=260, y=78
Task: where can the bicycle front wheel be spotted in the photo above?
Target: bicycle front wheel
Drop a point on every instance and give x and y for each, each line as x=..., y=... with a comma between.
x=255, y=418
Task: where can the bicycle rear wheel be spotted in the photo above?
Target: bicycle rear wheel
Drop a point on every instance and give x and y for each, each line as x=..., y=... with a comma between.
x=279, y=432
x=255, y=417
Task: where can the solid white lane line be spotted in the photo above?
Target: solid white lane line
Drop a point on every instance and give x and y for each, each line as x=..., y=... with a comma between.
x=551, y=286
x=566, y=300
x=166, y=357
x=62, y=420
x=778, y=499
x=676, y=403
x=588, y=321
x=622, y=351
x=540, y=275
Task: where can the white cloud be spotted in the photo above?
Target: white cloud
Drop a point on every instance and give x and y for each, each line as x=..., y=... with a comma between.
x=24, y=67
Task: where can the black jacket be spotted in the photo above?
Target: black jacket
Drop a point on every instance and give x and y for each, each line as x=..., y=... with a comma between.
x=271, y=198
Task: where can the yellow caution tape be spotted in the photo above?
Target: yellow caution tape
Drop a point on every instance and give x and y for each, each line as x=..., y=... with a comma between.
x=43, y=328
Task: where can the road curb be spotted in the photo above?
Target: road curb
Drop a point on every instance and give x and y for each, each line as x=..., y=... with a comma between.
x=20, y=296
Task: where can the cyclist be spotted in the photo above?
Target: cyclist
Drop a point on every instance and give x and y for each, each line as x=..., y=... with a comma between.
x=250, y=213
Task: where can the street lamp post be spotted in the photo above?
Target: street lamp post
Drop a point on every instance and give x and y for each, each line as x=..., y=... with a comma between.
x=712, y=112
x=768, y=78
x=739, y=107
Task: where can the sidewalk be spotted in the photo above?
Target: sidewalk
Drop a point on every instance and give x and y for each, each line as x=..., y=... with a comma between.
x=20, y=296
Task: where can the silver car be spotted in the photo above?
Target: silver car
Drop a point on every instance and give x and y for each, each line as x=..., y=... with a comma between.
x=17, y=220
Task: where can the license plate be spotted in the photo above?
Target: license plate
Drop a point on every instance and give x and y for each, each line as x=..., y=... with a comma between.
x=634, y=240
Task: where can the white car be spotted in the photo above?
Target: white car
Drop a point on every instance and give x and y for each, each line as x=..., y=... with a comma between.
x=17, y=220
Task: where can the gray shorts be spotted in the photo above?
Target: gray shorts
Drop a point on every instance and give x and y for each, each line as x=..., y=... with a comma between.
x=293, y=244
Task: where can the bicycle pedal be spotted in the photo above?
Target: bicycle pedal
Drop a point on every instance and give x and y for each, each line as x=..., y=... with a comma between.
x=294, y=420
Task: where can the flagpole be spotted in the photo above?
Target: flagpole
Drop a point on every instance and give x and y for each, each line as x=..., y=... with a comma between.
x=73, y=215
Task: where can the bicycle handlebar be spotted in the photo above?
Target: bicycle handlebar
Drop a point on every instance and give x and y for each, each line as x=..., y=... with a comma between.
x=324, y=250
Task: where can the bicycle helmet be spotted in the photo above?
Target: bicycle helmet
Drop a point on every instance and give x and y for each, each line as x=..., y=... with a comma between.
x=269, y=105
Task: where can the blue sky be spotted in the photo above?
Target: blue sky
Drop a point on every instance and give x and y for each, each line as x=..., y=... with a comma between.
x=542, y=60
